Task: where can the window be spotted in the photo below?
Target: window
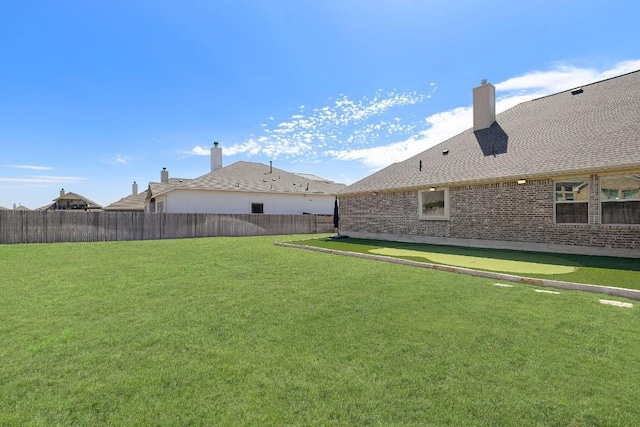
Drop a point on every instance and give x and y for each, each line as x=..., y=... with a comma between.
x=160, y=207
x=620, y=199
x=572, y=201
x=257, y=208
x=434, y=203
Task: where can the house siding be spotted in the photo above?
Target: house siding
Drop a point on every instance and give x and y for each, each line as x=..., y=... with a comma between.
x=239, y=202
x=498, y=211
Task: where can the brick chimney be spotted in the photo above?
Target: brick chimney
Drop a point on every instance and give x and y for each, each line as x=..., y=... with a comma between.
x=484, y=106
x=216, y=157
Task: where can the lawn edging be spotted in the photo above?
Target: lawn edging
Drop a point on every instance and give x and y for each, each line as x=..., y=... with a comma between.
x=608, y=290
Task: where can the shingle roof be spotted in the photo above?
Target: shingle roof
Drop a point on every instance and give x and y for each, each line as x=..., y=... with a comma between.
x=130, y=203
x=595, y=130
x=255, y=177
x=75, y=196
x=312, y=177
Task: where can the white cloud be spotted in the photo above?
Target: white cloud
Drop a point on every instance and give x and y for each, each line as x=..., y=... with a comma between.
x=441, y=127
x=199, y=151
x=564, y=78
x=344, y=121
x=122, y=160
x=30, y=167
x=42, y=179
x=251, y=147
x=434, y=88
x=621, y=68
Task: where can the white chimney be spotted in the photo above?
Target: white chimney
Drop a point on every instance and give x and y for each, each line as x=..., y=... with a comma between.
x=484, y=106
x=164, y=176
x=134, y=188
x=61, y=192
x=216, y=157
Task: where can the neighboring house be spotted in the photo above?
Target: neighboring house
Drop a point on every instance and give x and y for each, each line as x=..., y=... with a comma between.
x=132, y=203
x=241, y=188
x=72, y=201
x=21, y=208
x=3, y=209
x=557, y=173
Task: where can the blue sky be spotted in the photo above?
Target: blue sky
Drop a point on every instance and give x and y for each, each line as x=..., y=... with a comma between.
x=95, y=95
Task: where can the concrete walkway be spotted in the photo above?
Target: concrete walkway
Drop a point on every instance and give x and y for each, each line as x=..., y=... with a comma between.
x=608, y=290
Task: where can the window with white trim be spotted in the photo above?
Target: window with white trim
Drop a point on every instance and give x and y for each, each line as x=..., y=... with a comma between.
x=572, y=201
x=620, y=199
x=434, y=204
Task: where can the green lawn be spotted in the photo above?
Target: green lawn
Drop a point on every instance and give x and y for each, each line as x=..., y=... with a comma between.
x=237, y=331
x=594, y=270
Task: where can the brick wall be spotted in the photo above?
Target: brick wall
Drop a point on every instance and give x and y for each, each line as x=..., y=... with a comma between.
x=500, y=211
x=503, y=211
x=388, y=213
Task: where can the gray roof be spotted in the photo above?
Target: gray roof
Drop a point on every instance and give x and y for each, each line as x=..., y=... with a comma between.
x=75, y=196
x=3, y=208
x=312, y=177
x=597, y=129
x=70, y=196
x=131, y=203
x=157, y=188
x=254, y=177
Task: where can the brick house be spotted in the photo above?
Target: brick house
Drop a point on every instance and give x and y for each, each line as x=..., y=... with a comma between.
x=559, y=173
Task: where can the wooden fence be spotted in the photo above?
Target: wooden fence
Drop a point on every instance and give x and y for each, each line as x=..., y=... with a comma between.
x=70, y=226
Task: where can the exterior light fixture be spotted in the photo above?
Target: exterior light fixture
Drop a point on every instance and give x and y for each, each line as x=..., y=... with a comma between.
x=522, y=181
x=432, y=189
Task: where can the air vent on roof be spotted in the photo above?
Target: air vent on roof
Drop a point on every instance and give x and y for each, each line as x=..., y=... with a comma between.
x=445, y=152
x=577, y=91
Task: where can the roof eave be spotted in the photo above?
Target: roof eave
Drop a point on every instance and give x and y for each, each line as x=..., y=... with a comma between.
x=557, y=174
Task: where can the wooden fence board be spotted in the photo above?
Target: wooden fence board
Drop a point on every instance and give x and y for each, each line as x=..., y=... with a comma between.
x=80, y=226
